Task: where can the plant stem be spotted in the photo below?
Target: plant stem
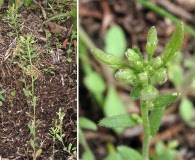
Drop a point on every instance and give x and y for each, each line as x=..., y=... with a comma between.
x=146, y=131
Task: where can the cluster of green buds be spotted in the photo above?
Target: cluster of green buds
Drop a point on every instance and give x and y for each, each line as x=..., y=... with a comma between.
x=144, y=73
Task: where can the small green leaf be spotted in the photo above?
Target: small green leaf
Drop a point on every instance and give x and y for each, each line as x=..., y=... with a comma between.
x=155, y=120
x=176, y=75
x=115, y=156
x=128, y=153
x=121, y=121
x=1, y=95
x=88, y=155
x=187, y=111
x=38, y=152
x=152, y=41
x=93, y=80
x=136, y=92
x=85, y=123
x=109, y=59
x=156, y=114
x=113, y=105
x=115, y=41
x=174, y=44
x=165, y=100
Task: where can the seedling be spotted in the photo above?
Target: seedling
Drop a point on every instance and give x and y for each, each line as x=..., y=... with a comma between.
x=28, y=61
x=57, y=134
x=13, y=21
x=1, y=97
x=142, y=74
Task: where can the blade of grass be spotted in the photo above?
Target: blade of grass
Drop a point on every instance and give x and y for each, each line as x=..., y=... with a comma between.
x=164, y=13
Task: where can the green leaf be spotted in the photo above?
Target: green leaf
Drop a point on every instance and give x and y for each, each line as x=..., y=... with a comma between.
x=156, y=114
x=155, y=120
x=121, y=121
x=176, y=75
x=174, y=44
x=152, y=41
x=38, y=152
x=93, y=80
x=88, y=155
x=1, y=95
x=85, y=123
x=115, y=41
x=136, y=92
x=109, y=59
x=115, y=156
x=128, y=153
x=187, y=111
x=165, y=100
x=113, y=105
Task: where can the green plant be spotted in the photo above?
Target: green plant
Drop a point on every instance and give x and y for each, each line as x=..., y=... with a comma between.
x=49, y=70
x=48, y=42
x=85, y=123
x=163, y=151
x=181, y=74
x=13, y=21
x=1, y=97
x=57, y=134
x=72, y=14
x=143, y=74
x=73, y=36
x=28, y=61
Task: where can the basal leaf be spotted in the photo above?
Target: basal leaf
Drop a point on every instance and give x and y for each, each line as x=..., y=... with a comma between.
x=113, y=105
x=93, y=80
x=152, y=41
x=155, y=120
x=115, y=41
x=136, y=92
x=115, y=156
x=175, y=72
x=174, y=44
x=187, y=111
x=165, y=100
x=121, y=121
x=128, y=153
x=88, y=155
x=85, y=123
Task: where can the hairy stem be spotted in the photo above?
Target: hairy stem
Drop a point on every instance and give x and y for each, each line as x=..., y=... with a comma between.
x=146, y=130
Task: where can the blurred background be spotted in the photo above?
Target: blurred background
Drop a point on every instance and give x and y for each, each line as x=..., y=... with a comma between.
x=114, y=26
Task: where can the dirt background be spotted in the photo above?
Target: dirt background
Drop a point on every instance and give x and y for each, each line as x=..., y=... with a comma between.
x=95, y=18
x=54, y=90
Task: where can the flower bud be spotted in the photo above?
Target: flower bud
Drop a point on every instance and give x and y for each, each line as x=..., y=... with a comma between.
x=125, y=75
x=149, y=93
x=138, y=65
x=157, y=62
x=142, y=78
x=132, y=56
x=161, y=75
x=150, y=105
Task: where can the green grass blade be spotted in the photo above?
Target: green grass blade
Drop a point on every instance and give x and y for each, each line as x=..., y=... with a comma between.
x=164, y=13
